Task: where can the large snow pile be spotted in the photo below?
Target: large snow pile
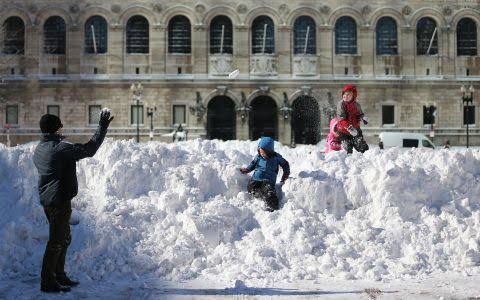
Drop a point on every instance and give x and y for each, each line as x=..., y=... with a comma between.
x=180, y=211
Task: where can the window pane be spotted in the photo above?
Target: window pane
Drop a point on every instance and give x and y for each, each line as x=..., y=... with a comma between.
x=410, y=143
x=12, y=114
x=179, y=114
x=427, y=144
x=469, y=115
x=179, y=35
x=137, y=114
x=96, y=35
x=300, y=28
x=388, y=114
x=94, y=114
x=386, y=36
x=259, y=34
x=54, y=36
x=216, y=35
x=53, y=110
x=467, y=37
x=137, y=35
x=13, y=36
x=425, y=30
x=429, y=114
x=345, y=36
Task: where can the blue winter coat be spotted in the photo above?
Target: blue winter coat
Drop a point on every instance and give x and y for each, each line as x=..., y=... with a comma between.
x=267, y=169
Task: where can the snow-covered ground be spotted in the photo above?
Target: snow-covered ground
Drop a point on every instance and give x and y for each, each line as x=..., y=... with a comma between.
x=174, y=221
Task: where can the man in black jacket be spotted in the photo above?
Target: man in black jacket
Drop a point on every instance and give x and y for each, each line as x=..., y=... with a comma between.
x=56, y=160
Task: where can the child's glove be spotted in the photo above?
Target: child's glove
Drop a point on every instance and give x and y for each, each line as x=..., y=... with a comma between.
x=244, y=170
x=365, y=120
x=352, y=131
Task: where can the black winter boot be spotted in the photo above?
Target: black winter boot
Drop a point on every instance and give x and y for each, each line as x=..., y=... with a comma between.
x=54, y=287
x=65, y=281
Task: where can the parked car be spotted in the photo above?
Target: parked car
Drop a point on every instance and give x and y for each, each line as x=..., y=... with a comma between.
x=405, y=140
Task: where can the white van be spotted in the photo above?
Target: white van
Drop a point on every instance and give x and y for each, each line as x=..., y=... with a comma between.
x=405, y=140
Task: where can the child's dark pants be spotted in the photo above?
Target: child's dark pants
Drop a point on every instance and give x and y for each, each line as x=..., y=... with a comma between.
x=265, y=191
x=349, y=142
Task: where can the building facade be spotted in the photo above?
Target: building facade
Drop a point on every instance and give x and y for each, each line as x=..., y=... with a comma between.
x=71, y=58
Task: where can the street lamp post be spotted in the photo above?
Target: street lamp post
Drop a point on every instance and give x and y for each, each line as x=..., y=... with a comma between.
x=199, y=109
x=150, y=112
x=137, y=90
x=244, y=108
x=467, y=99
x=286, y=109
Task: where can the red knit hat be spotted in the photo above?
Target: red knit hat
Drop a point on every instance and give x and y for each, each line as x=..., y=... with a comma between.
x=350, y=88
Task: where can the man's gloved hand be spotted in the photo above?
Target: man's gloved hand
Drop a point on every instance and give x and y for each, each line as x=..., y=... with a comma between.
x=105, y=117
x=365, y=120
x=244, y=170
x=352, y=131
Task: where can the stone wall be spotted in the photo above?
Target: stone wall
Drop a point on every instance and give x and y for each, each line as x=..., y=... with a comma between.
x=75, y=86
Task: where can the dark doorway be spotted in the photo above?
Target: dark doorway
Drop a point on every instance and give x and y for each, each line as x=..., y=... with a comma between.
x=221, y=118
x=263, y=118
x=306, y=120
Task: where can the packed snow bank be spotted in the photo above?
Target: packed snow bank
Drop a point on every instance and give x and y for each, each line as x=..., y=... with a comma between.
x=180, y=211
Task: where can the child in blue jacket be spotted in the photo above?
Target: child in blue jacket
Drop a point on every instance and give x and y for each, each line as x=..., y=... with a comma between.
x=266, y=164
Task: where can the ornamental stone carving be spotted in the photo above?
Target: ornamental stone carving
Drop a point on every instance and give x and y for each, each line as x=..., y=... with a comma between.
x=325, y=9
x=32, y=8
x=221, y=64
x=305, y=65
x=283, y=8
x=157, y=7
x=447, y=10
x=407, y=10
x=116, y=8
x=263, y=65
x=74, y=8
x=242, y=8
x=200, y=8
x=366, y=10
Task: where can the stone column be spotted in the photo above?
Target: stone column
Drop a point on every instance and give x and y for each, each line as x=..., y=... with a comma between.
x=158, y=50
x=408, y=50
x=284, y=49
x=116, y=50
x=29, y=62
x=199, y=48
x=241, y=50
x=242, y=130
x=325, y=50
x=447, y=51
x=74, y=50
x=365, y=50
x=284, y=130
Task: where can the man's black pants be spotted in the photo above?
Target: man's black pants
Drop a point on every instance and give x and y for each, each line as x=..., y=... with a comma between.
x=264, y=190
x=59, y=239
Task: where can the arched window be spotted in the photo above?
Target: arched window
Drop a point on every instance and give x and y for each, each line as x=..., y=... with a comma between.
x=467, y=37
x=345, y=36
x=304, y=36
x=386, y=32
x=54, y=34
x=96, y=35
x=179, y=35
x=263, y=35
x=138, y=35
x=427, y=41
x=221, y=26
x=13, y=36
